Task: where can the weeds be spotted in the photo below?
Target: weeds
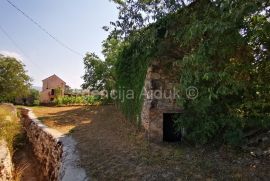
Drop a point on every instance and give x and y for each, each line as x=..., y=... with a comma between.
x=9, y=125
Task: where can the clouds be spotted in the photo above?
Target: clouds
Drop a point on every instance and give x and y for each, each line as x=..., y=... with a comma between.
x=12, y=54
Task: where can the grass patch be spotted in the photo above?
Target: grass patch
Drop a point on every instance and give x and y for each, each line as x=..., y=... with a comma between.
x=10, y=127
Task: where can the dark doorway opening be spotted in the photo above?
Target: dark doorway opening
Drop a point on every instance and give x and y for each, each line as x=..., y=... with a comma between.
x=52, y=93
x=169, y=131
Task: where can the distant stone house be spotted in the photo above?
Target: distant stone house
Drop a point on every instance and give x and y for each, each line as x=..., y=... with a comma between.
x=50, y=87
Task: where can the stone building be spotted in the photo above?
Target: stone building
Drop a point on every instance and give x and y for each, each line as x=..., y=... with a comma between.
x=50, y=86
x=160, y=107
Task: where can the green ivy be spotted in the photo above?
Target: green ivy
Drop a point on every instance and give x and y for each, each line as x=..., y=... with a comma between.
x=131, y=68
x=223, y=51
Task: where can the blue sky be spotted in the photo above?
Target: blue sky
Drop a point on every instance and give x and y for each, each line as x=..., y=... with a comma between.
x=76, y=23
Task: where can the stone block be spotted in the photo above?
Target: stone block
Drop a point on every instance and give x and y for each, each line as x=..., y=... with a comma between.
x=6, y=166
x=155, y=76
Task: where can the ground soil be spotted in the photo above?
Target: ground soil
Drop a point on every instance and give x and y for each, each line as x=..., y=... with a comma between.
x=27, y=167
x=111, y=148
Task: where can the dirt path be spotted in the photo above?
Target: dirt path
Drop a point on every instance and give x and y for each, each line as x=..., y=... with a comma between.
x=113, y=149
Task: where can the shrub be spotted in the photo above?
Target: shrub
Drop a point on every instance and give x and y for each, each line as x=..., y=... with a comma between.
x=89, y=100
x=85, y=100
x=36, y=103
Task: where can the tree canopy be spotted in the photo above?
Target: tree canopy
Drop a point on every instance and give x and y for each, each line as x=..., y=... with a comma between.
x=14, y=81
x=100, y=74
x=138, y=14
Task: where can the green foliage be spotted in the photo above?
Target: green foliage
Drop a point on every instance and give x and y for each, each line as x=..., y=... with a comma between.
x=227, y=73
x=14, y=82
x=36, y=103
x=34, y=94
x=136, y=14
x=58, y=92
x=100, y=74
x=31, y=99
x=95, y=69
x=222, y=48
x=131, y=67
x=79, y=100
x=92, y=100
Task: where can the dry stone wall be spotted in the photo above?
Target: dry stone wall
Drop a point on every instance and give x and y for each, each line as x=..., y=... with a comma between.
x=55, y=151
x=160, y=94
x=6, y=166
x=46, y=145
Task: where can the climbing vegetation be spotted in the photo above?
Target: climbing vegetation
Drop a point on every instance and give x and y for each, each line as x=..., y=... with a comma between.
x=221, y=47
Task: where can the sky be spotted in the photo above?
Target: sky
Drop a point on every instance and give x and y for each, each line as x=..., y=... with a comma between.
x=78, y=24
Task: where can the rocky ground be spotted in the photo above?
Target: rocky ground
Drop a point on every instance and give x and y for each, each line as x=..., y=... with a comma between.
x=114, y=149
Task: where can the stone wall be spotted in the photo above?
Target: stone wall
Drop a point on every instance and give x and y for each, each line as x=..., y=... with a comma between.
x=6, y=166
x=9, y=121
x=46, y=143
x=160, y=90
x=55, y=151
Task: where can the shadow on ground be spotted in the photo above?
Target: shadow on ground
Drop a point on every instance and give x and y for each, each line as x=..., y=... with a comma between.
x=112, y=148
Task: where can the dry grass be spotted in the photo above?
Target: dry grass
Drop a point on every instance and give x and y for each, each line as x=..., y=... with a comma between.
x=9, y=124
x=114, y=149
x=26, y=166
x=57, y=118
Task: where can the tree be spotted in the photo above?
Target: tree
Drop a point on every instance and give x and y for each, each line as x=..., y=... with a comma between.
x=226, y=45
x=100, y=74
x=136, y=14
x=95, y=71
x=33, y=96
x=14, y=82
